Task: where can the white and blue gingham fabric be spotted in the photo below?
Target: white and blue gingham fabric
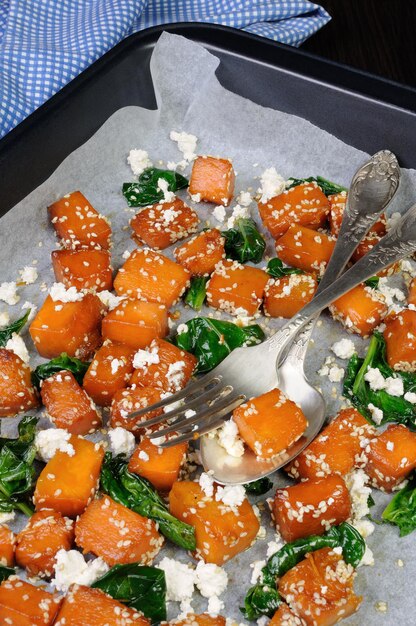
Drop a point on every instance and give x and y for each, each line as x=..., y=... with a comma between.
x=46, y=43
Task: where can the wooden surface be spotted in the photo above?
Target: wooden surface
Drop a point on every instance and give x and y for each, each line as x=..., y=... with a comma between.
x=378, y=36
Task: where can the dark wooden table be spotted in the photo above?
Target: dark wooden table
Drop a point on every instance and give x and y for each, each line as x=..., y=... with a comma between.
x=378, y=36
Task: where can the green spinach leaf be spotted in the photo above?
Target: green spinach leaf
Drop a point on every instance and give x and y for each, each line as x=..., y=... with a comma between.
x=329, y=188
x=62, y=362
x=259, y=487
x=276, y=269
x=6, y=572
x=372, y=282
x=244, y=242
x=401, y=509
x=146, y=190
x=197, y=292
x=7, y=332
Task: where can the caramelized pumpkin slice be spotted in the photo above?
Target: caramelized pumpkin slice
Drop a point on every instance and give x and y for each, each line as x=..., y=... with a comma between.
x=400, y=337
x=304, y=204
x=78, y=224
x=336, y=450
x=71, y=327
x=68, y=483
x=221, y=531
x=109, y=371
x=47, y=532
x=337, y=203
x=68, y=405
x=391, y=457
x=83, y=269
x=203, y=619
x=236, y=289
x=135, y=323
x=164, y=366
x=284, y=297
x=311, y=507
x=150, y=276
x=200, y=254
x=117, y=534
x=160, y=466
x=212, y=180
x=305, y=248
x=84, y=606
x=270, y=423
x=7, y=546
x=160, y=225
x=22, y=604
x=17, y=393
x=133, y=399
x=285, y=617
x=360, y=310
x=320, y=588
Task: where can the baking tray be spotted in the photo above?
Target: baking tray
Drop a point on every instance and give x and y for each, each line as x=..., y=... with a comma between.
x=364, y=111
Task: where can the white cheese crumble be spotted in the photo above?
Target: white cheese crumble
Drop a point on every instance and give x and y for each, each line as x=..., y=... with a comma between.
x=245, y=198
x=143, y=358
x=206, y=483
x=182, y=328
x=275, y=545
x=229, y=439
x=49, y=441
x=28, y=275
x=186, y=144
x=343, y=349
x=115, y=365
x=180, y=579
x=215, y=606
x=368, y=557
x=109, y=300
x=256, y=566
x=4, y=319
x=231, y=495
x=175, y=375
x=32, y=307
x=8, y=293
x=17, y=345
x=271, y=184
x=5, y=518
x=219, y=213
x=121, y=441
x=390, y=293
x=58, y=293
x=168, y=196
x=376, y=414
x=356, y=482
x=410, y=397
x=210, y=579
x=195, y=197
x=71, y=568
x=392, y=385
x=138, y=161
x=364, y=527
x=332, y=371
x=238, y=213
x=143, y=456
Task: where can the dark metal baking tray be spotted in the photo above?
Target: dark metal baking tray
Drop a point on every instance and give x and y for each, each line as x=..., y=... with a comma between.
x=363, y=110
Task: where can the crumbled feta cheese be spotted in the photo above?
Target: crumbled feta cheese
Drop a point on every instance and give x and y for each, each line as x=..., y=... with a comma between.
x=356, y=482
x=180, y=579
x=376, y=414
x=390, y=293
x=364, y=527
x=332, y=371
x=115, y=365
x=71, y=568
x=231, y=495
x=109, y=300
x=143, y=456
x=182, y=328
x=275, y=545
x=256, y=566
x=272, y=184
x=168, y=196
x=238, y=213
x=143, y=358
x=368, y=557
x=8, y=293
x=343, y=349
x=138, y=161
x=219, y=213
x=58, y=293
x=390, y=446
x=5, y=518
x=50, y=440
x=28, y=275
x=394, y=386
x=215, y=606
x=374, y=378
x=186, y=144
x=229, y=439
x=121, y=441
x=206, y=483
x=410, y=397
x=244, y=198
x=4, y=319
x=175, y=375
x=210, y=579
x=32, y=307
x=17, y=345
x=196, y=197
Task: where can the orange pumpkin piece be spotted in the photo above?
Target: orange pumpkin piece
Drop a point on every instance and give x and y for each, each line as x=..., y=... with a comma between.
x=336, y=450
x=391, y=457
x=360, y=310
x=78, y=224
x=221, y=531
x=212, y=180
x=109, y=371
x=83, y=269
x=7, y=546
x=311, y=507
x=305, y=248
x=304, y=204
x=84, y=606
x=68, y=405
x=150, y=276
x=160, y=466
x=270, y=423
x=285, y=617
x=117, y=534
x=160, y=225
x=164, y=366
x=284, y=297
x=200, y=254
x=47, y=532
x=22, y=604
x=400, y=337
x=320, y=588
x=67, y=483
x=411, y=298
x=135, y=323
x=337, y=203
x=203, y=619
x=17, y=393
x=133, y=399
x=236, y=289
x=71, y=327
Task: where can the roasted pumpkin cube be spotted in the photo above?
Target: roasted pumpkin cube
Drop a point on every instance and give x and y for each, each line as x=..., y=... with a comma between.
x=221, y=531
x=83, y=269
x=109, y=371
x=320, y=588
x=200, y=254
x=391, y=457
x=270, y=423
x=46, y=533
x=285, y=617
x=150, y=276
x=311, y=507
x=236, y=289
x=305, y=248
x=133, y=399
x=360, y=310
x=68, y=405
x=203, y=619
x=160, y=225
x=400, y=337
x=411, y=298
x=212, y=180
x=78, y=224
x=84, y=606
x=284, y=297
x=7, y=546
x=17, y=393
x=336, y=450
x=160, y=466
x=22, y=604
x=304, y=204
x=71, y=327
x=135, y=323
x=117, y=534
x=68, y=483
x=337, y=203
x=164, y=366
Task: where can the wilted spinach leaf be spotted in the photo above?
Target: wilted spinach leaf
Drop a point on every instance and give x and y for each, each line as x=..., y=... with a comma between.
x=7, y=332
x=62, y=362
x=259, y=487
x=196, y=294
x=146, y=191
x=329, y=188
x=276, y=269
x=244, y=242
x=372, y=282
x=6, y=572
x=401, y=509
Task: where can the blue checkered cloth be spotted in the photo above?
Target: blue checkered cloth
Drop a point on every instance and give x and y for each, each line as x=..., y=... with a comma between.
x=46, y=43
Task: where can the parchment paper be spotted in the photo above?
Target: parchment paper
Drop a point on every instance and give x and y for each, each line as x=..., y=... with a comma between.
x=191, y=99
